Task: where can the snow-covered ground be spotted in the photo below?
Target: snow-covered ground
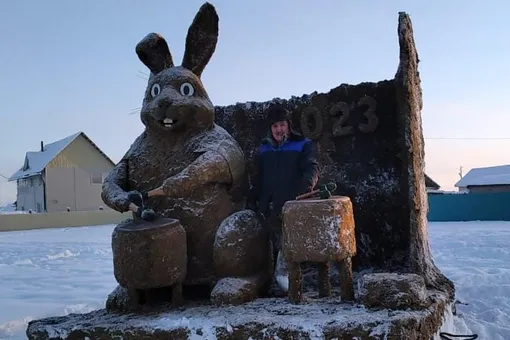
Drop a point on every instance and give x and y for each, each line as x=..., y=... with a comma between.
x=476, y=256
x=60, y=271
x=10, y=209
x=52, y=272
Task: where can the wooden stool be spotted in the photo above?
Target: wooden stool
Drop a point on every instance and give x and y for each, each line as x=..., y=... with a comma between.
x=148, y=255
x=319, y=230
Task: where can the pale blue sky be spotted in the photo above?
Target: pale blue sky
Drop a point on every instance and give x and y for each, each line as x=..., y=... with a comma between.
x=69, y=66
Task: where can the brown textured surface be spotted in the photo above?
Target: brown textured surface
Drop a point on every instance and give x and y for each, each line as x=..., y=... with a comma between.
x=259, y=319
x=139, y=301
x=235, y=291
x=119, y=300
x=378, y=163
x=376, y=169
x=295, y=282
x=242, y=258
x=393, y=291
x=202, y=39
x=149, y=255
x=323, y=281
x=366, y=166
x=242, y=246
x=318, y=230
x=345, y=279
x=412, y=183
x=197, y=163
x=198, y=187
x=153, y=51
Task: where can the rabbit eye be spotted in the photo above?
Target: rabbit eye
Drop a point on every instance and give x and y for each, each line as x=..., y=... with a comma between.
x=155, y=90
x=187, y=89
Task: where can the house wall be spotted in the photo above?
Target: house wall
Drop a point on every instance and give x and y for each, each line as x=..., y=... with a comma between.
x=30, y=194
x=489, y=188
x=11, y=222
x=74, y=178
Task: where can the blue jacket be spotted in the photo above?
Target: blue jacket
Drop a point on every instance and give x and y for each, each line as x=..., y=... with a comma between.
x=285, y=171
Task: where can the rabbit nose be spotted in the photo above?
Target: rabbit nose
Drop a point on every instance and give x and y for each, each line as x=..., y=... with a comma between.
x=164, y=104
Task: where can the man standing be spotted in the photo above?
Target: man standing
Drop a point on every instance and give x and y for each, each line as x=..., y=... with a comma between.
x=287, y=168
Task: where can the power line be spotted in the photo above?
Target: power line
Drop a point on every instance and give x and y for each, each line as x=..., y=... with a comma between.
x=4, y=177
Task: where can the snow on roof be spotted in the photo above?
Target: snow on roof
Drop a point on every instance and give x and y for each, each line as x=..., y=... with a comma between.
x=38, y=160
x=493, y=175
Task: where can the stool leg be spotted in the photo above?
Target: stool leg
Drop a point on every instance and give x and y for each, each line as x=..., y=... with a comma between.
x=177, y=298
x=295, y=282
x=323, y=280
x=346, y=285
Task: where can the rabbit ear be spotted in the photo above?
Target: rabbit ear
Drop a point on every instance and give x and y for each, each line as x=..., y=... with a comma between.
x=201, y=40
x=154, y=53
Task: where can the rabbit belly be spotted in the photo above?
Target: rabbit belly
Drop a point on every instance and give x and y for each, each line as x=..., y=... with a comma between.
x=201, y=214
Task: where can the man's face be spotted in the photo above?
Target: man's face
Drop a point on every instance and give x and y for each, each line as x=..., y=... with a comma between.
x=280, y=130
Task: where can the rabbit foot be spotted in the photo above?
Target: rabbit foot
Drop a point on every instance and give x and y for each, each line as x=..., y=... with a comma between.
x=236, y=290
x=123, y=300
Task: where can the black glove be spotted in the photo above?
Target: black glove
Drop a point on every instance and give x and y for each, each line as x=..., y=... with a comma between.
x=138, y=197
x=135, y=197
x=145, y=195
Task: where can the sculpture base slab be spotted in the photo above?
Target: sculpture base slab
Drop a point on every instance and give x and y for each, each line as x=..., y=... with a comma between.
x=268, y=318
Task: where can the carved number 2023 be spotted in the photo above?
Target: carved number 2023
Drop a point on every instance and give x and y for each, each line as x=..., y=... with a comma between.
x=340, y=112
x=343, y=112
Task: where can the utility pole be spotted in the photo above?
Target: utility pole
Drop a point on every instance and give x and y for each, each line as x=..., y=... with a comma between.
x=460, y=172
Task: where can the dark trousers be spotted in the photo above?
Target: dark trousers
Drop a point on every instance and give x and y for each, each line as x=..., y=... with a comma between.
x=273, y=225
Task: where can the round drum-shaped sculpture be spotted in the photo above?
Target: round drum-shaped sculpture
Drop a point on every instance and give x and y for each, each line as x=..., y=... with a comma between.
x=149, y=255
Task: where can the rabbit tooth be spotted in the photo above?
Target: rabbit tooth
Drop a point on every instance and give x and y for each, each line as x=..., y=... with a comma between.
x=167, y=122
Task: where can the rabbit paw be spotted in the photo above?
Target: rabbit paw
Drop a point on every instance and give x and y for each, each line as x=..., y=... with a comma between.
x=137, y=197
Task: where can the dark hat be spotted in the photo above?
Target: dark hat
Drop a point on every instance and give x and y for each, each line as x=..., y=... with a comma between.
x=277, y=113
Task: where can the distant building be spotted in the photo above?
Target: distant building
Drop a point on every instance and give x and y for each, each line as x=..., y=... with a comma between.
x=488, y=179
x=431, y=185
x=64, y=174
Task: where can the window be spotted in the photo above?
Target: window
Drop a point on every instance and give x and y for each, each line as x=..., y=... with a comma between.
x=96, y=178
x=25, y=182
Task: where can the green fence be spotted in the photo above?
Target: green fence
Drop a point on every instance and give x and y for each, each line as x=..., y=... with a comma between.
x=469, y=207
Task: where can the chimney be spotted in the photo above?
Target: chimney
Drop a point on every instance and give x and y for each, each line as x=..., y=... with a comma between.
x=42, y=146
